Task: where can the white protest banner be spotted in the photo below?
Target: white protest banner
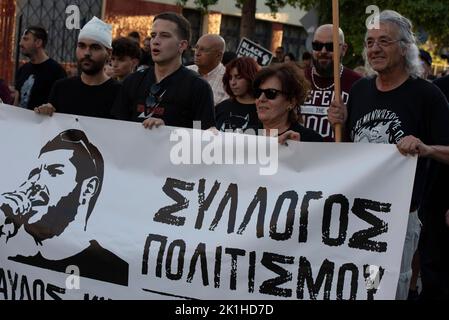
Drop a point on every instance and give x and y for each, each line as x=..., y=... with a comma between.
x=99, y=209
x=247, y=48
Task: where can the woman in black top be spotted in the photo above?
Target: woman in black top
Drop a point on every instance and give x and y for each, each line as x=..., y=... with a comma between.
x=238, y=112
x=278, y=90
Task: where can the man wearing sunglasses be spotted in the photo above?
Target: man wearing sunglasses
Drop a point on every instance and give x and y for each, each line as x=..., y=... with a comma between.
x=397, y=106
x=168, y=93
x=35, y=79
x=320, y=75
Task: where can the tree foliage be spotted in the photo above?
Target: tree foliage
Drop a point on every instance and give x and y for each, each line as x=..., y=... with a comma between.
x=274, y=5
x=202, y=5
x=247, y=15
x=428, y=15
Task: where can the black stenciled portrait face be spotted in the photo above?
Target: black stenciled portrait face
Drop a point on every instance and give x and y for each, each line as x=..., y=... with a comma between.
x=54, y=195
x=58, y=198
x=68, y=175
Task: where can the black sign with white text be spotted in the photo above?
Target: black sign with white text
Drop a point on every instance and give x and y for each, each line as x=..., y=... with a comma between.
x=247, y=48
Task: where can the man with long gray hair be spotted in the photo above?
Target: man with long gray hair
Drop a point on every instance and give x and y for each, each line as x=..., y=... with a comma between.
x=396, y=106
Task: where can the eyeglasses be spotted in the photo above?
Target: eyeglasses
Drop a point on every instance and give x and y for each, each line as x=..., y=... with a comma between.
x=202, y=49
x=382, y=42
x=318, y=46
x=270, y=94
x=153, y=100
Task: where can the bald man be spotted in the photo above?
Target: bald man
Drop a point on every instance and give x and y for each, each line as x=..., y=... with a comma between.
x=208, y=55
x=320, y=75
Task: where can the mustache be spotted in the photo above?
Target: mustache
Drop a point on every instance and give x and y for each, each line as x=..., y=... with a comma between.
x=86, y=59
x=42, y=199
x=38, y=195
x=324, y=56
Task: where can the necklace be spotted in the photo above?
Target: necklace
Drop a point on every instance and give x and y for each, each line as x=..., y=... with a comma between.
x=327, y=88
x=280, y=134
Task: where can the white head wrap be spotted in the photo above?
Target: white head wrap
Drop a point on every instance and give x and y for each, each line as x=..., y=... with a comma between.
x=97, y=30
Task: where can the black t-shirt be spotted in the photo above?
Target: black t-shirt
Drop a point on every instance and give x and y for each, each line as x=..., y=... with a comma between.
x=184, y=97
x=232, y=115
x=443, y=84
x=314, y=108
x=415, y=108
x=73, y=96
x=306, y=134
x=34, y=82
x=437, y=200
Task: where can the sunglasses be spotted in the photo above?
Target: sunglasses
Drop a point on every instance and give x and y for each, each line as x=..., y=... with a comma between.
x=270, y=94
x=78, y=137
x=318, y=46
x=153, y=100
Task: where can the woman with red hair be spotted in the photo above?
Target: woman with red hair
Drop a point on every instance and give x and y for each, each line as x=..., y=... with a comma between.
x=238, y=112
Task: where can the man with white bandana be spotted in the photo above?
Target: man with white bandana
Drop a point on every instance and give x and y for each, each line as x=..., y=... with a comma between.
x=93, y=92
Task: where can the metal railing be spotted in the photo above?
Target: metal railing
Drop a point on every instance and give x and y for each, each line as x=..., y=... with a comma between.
x=51, y=14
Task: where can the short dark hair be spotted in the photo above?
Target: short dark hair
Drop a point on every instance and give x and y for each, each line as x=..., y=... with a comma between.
x=306, y=55
x=125, y=47
x=86, y=158
x=228, y=56
x=294, y=84
x=291, y=56
x=247, y=68
x=38, y=33
x=134, y=34
x=183, y=25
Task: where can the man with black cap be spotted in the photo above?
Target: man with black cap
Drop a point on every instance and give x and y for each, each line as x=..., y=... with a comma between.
x=93, y=92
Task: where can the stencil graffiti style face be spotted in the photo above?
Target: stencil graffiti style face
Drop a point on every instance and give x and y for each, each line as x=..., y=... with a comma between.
x=52, y=179
x=68, y=175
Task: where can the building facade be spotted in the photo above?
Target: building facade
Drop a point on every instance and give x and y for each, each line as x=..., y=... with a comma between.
x=224, y=18
x=136, y=15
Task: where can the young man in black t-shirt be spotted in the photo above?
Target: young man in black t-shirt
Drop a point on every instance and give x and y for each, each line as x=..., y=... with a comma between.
x=125, y=57
x=93, y=93
x=168, y=93
x=398, y=107
x=35, y=78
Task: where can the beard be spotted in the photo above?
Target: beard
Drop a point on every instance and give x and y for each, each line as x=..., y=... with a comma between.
x=58, y=217
x=29, y=53
x=324, y=70
x=95, y=67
